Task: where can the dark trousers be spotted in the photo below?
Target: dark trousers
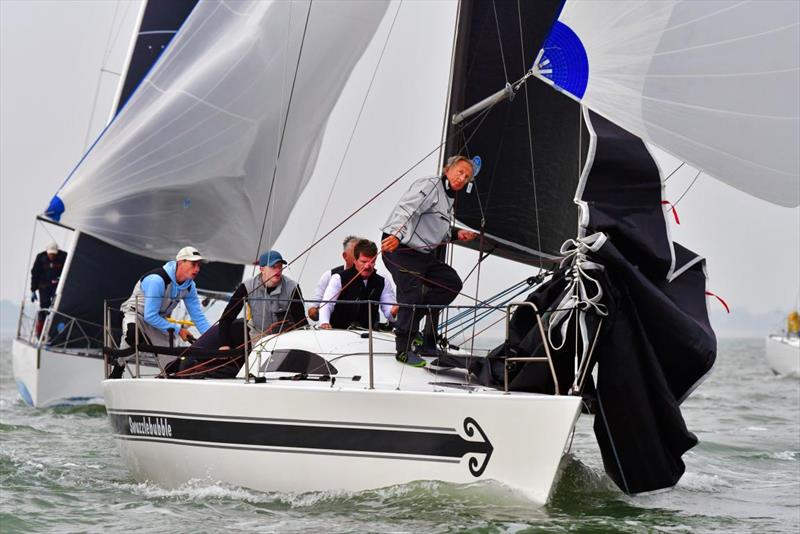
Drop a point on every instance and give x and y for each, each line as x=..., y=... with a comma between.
x=423, y=280
x=46, y=295
x=212, y=339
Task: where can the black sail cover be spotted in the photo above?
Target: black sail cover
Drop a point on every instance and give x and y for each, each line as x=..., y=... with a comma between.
x=655, y=343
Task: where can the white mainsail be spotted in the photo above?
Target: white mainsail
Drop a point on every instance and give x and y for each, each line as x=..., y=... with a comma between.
x=715, y=83
x=229, y=121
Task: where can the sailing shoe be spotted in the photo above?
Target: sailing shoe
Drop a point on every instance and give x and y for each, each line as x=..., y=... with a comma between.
x=410, y=357
x=431, y=351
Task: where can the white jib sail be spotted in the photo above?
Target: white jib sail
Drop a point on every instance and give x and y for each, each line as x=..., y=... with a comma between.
x=193, y=157
x=715, y=83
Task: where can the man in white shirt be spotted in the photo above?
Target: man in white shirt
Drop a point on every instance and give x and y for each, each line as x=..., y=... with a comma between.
x=355, y=286
x=347, y=255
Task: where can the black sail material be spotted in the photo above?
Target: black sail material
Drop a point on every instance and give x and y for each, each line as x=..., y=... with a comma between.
x=656, y=343
x=659, y=344
x=528, y=211
x=160, y=21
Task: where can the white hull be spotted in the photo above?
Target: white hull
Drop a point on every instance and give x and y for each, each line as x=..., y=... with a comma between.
x=46, y=377
x=783, y=355
x=303, y=435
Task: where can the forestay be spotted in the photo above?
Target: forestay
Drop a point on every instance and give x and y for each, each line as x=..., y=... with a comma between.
x=715, y=83
x=228, y=123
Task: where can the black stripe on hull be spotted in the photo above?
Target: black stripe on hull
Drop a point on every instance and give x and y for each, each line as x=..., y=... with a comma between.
x=447, y=446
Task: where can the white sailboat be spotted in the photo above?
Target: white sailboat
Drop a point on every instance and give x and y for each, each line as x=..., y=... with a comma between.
x=783, y=348
x=624, y=296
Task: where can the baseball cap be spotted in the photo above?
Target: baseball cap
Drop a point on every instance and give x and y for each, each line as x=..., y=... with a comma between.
x=270, y=258
x=52, y=248
x=189, y=253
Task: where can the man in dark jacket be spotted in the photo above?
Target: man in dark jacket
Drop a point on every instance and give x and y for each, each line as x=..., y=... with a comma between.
x=45, y=273
x=358, y=284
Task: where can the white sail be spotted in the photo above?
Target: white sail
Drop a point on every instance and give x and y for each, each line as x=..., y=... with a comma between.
x=715, y=83
x=228, y=122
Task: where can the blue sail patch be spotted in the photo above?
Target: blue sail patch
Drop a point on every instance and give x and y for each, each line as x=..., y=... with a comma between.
x=563, y=60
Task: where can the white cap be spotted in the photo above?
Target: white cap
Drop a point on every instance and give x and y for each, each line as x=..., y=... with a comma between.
x=52, y=248
x=189, y=253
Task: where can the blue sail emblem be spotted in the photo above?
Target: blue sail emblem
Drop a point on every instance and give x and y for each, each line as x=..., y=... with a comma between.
x=476, y=166
x=563, y=60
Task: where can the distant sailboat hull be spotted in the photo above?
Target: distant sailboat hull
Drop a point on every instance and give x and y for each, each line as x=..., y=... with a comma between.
x=47, y=377
x=783, y=355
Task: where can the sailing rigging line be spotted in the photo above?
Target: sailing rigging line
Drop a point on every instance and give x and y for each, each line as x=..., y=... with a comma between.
x=283, y=130
x=405, y=173
x=283, y=119
x=530, y=136
x=500, y=40
x=486, y=313
x=106, y=55
x=672, y=208
x=353, y=132
x=673, y=172
x=27, y=273
x=481, y=257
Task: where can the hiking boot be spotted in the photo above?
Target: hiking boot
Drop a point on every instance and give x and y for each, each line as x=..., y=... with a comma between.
x=411, y=358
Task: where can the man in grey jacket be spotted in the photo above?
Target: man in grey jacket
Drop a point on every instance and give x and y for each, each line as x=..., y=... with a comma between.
x=419, y=223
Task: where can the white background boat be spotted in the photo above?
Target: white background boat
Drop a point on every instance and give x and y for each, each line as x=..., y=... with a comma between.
x=783, y=354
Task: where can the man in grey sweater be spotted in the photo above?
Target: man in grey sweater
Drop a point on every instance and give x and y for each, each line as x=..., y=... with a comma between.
x=419, y=223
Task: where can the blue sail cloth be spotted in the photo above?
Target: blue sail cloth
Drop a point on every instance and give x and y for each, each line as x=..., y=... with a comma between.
x=55, y=209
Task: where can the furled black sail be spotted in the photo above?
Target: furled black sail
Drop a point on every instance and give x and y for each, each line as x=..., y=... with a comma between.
x=655, y=342
x=498, y=42
x=659, y=343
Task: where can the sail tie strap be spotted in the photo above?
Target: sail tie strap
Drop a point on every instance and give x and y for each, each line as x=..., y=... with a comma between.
x=724, y=304
x=673, y=210
x=583, y=293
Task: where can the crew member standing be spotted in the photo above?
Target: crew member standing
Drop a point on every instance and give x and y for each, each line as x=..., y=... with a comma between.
x=420, y=222
x=45, y=273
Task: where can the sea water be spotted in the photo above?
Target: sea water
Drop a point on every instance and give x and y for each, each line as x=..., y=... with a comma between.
x=60, y=472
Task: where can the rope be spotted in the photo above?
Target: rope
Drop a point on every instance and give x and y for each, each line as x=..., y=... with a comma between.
x=583, y=293
x=530, y=137
x=500, y=41
x=353, y=132
x=673, y=172
x=283, y=130
x=687, y=190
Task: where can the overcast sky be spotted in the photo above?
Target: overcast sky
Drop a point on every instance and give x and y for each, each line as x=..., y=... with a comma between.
x=52, y=53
